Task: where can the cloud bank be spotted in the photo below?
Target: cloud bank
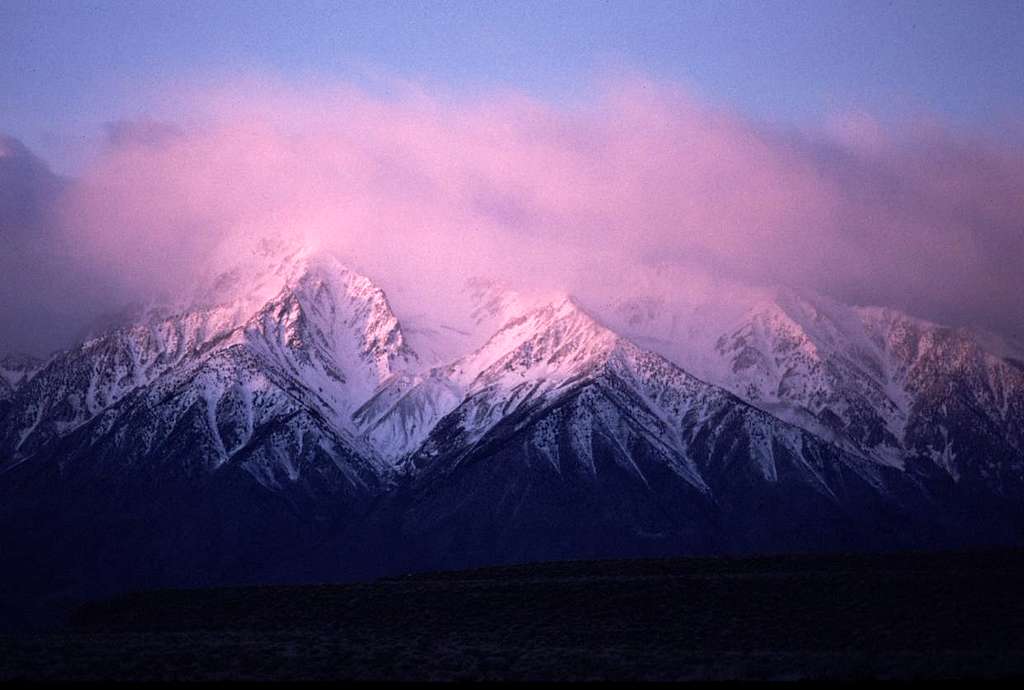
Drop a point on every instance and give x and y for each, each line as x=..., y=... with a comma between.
x=416, y=187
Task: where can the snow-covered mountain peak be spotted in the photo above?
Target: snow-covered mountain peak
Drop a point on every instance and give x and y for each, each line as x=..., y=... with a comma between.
x=327, y=297
x=818, y=322
x=667, y=413
x=252, y=272
x=534, y=352
x=304, y=295
x=873, y=380
x=300, y=324
x=285, y=328
x=547, y=340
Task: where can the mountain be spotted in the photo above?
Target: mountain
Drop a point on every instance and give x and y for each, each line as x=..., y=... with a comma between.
x=282, y=422
x=323, y=340
x=874, y=381
x=574, y=442
x=208, y=439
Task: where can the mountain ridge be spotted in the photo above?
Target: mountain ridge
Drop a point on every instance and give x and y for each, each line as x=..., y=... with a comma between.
x=288, y=389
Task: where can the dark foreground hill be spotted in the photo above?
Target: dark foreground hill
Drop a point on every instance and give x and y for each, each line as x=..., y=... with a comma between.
x=951, y=615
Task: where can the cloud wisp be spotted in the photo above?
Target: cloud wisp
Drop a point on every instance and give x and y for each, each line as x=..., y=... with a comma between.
x=414, y=187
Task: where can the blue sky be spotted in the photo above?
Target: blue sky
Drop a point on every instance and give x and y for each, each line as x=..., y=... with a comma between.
x=68, y=66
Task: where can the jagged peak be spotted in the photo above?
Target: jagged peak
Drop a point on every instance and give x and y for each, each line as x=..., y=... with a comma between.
x=855, y=320
x=326, y=308
x=549, y=340
x=253, y=271
x=559, y=308
x=815, y=324
x=249, y=281
x=890, y=327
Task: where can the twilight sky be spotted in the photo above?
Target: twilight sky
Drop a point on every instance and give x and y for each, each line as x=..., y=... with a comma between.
x=873, y=151
x=70, y=65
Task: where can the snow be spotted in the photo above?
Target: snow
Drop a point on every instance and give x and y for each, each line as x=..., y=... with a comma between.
x=297, y=338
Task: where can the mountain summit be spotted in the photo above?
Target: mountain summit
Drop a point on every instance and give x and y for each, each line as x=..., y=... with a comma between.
x=282, y=422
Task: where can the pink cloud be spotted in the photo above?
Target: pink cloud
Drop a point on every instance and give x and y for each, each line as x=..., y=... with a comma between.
x=919, y=216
